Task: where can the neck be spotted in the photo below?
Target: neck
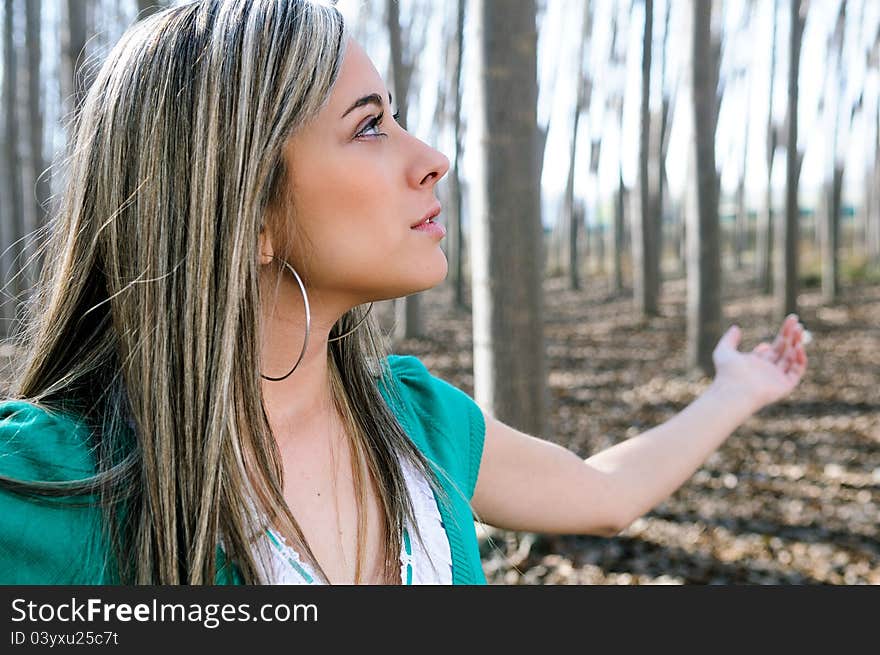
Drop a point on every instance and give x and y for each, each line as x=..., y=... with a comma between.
x=302, y=402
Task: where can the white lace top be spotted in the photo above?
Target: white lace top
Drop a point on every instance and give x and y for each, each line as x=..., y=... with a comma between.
x=418, y=565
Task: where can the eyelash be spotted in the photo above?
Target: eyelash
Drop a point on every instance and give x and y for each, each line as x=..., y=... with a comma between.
x=375, y=122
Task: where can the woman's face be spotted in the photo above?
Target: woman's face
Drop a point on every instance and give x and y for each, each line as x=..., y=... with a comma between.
x=358, y=182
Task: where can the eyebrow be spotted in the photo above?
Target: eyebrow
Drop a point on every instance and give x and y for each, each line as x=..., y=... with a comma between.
x=371, y=99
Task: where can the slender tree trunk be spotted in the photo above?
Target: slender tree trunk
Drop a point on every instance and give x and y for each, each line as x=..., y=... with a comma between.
x=597, y=222
x=741, y=234
x=571, y=220
x=509, y=369
x=38, y=180
x=616, y=246
x=74, y=34
x=557, y=239
x=408, y=323
x=703, y=246
x=830, y=237
x=874, y=218
x=830, y=234
x=12, y=225
x=655, y=186
x=662, y=145
x=582, y=101
x=456, y=243
x=148, y=7
x=617, y=64
x=788, y=231
x=741, y=223
x=765, y=229
x=644, y=239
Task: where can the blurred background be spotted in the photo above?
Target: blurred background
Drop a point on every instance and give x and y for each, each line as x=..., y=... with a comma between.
x=628, y=178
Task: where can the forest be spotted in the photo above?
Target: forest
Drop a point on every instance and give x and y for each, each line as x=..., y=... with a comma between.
x=628, y=178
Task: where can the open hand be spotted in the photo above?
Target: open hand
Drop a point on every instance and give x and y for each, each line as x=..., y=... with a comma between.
x=770, y=371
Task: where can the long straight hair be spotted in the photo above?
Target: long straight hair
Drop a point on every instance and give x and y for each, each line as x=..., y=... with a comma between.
x=146, y=320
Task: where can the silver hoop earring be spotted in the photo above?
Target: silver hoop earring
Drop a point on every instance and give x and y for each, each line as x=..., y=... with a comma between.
x=364, y=318
x=305, y=296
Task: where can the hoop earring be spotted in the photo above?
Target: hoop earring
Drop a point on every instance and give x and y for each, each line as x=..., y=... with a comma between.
x=364, y=318
x=305, y=296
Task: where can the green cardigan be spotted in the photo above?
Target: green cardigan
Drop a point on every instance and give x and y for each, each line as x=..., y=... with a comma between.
x=55, y=542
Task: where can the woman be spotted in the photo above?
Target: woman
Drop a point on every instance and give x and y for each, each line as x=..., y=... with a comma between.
x=202, y=364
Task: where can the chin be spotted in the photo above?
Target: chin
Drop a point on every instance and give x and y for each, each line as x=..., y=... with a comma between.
x=430, y=273
x=439, y=272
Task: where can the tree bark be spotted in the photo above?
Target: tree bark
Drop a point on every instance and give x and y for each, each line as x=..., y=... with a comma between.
x=644, y=240
x=660, y=146
x=149, y=7
x=455, y=245
x=12, y=225
x=788, y=231
x=764, y=231
x=38, y=180
x=704, y=268
x=408, y=323
x=830, y=236
x=830, y=233
x=582, y=101
x=874, y=217
x=74, y=35
x=509, y=370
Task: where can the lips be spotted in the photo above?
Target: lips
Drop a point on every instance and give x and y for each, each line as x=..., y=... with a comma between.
x=431, y=213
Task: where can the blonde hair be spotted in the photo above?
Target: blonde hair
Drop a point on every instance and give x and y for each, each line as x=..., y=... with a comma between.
x=146, y=318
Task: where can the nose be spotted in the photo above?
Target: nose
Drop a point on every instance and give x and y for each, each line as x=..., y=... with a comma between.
x=429, y=166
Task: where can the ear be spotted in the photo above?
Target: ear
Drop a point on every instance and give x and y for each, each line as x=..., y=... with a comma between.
x=264, y=246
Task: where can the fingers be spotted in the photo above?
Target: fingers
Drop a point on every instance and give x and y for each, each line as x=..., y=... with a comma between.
x=794, y=358
x=765, y=351
x=789, y=338
x=797, y=369
x=780, y=342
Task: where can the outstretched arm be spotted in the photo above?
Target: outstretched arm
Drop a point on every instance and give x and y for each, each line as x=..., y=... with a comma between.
x=526, y=483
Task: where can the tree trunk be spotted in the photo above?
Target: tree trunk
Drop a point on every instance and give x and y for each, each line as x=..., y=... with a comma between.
x=874, y=218
x=703, y=247
x=582, y=100
x=12, y=225
x=661, y=148
x=38, y=180
x=455, y=244
x=74, y=35
x=741, y=223
x=741, y=232
x=596, y=207
x=616, y=236
x=148, y=7
x=788, y=231
x=830, y=237
x=644, y=240
x=408, y=323
x=571, y=220
x=617, y=64
x=765, y=229
x=509, y=370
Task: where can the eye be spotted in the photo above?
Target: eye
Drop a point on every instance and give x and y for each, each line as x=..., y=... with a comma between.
x=374, y=123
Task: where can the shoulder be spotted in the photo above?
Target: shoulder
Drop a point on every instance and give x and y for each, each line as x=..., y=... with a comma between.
x=38, y=443
x=45, y=540
x=444, y=421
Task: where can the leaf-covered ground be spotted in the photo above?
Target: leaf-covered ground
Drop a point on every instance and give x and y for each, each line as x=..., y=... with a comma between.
x=791, y=497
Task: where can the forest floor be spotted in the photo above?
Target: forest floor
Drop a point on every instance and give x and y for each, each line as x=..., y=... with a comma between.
x=790, y=498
